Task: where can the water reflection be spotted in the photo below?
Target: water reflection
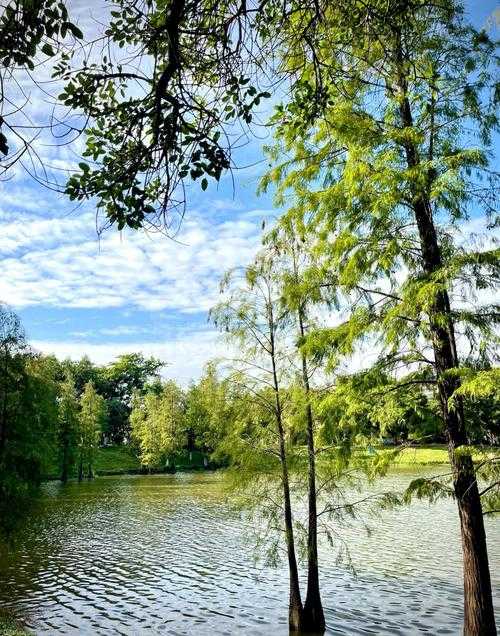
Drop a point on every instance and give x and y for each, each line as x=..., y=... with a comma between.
x=165, y=555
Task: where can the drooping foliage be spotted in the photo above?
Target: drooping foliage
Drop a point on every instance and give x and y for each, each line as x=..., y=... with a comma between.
x=27, y=420
x=381, y=167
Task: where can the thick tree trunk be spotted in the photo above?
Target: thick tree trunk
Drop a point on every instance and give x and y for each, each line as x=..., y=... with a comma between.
x=314, y=618
x=479, y=619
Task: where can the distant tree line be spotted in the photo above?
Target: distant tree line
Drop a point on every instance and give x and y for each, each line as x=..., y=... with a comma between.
x=57, y=413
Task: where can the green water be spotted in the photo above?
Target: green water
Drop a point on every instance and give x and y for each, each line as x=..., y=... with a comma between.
x=167, y=555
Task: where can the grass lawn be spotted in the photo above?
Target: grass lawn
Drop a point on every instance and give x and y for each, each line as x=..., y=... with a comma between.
x=122, y=459
x=116, y=458
x=430, y=454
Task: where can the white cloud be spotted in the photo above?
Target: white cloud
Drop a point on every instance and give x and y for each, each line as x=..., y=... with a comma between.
x=59, y=262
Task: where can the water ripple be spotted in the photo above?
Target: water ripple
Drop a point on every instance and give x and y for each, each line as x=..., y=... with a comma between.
x=165, y=555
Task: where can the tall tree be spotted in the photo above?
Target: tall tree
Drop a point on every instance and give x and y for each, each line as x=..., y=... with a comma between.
x=28, y=410
x=391, y=150
x=68, y=428
x=254, y=316
x=288, y=247
x=158, y=425
x=130, y=373
x=92, y=422
x=209, y=409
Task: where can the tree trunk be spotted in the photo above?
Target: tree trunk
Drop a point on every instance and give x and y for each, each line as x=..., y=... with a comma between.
x=314, y=618
x=479, y=619
x=64, y=471
x=295, y=608
x=80, y=470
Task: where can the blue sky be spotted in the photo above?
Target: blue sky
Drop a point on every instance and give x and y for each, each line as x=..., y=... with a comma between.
x=126, y=292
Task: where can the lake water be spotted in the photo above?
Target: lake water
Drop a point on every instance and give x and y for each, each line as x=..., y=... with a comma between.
x=167, y=555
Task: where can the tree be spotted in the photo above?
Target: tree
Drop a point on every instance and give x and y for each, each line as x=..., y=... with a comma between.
x=380, y=161
x=128, y=374
x=157, y=425
x=83, y=371
x=255, y=319
x=68, y=428
x=287, y=247
x=92, y=422
x=209, y=409
x=28, y=410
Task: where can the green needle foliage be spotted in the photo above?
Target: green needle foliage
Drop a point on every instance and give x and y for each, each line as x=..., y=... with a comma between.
x=157, y=425
x=383, y=168
x=210, y=410
x=92, y=422
x=278, y=453
x=68, y=432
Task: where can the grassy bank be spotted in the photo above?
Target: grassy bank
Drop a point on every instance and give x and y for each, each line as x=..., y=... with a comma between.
x=122, y=460
x=118, y=460
x=431, y=454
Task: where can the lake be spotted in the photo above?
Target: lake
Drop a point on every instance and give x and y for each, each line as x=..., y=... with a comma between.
x=167, y=555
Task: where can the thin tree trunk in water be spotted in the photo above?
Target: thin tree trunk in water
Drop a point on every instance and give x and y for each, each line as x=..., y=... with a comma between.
x=295, y=609
x=80, y=470
x=314, y=617
x=479, y=618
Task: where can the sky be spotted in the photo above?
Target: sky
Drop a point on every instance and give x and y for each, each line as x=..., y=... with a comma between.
x=77, y=293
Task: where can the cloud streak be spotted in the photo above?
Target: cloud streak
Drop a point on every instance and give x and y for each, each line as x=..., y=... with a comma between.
x=60, y=262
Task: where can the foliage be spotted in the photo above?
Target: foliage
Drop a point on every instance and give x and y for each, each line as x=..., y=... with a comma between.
x=386, y=139
x=92, y=422
x=128, y=374
x=158, y=425
x=210, y=409
x=27, y=415
x=68, y=432
x=29, y=30
x=161, y=111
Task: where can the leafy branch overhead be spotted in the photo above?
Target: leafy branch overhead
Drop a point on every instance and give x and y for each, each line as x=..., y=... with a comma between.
x=28, y=28
x=160, y=105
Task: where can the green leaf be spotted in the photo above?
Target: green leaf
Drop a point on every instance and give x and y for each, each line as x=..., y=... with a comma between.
x=75, y=30
x=48, y=50
x=4, y=148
